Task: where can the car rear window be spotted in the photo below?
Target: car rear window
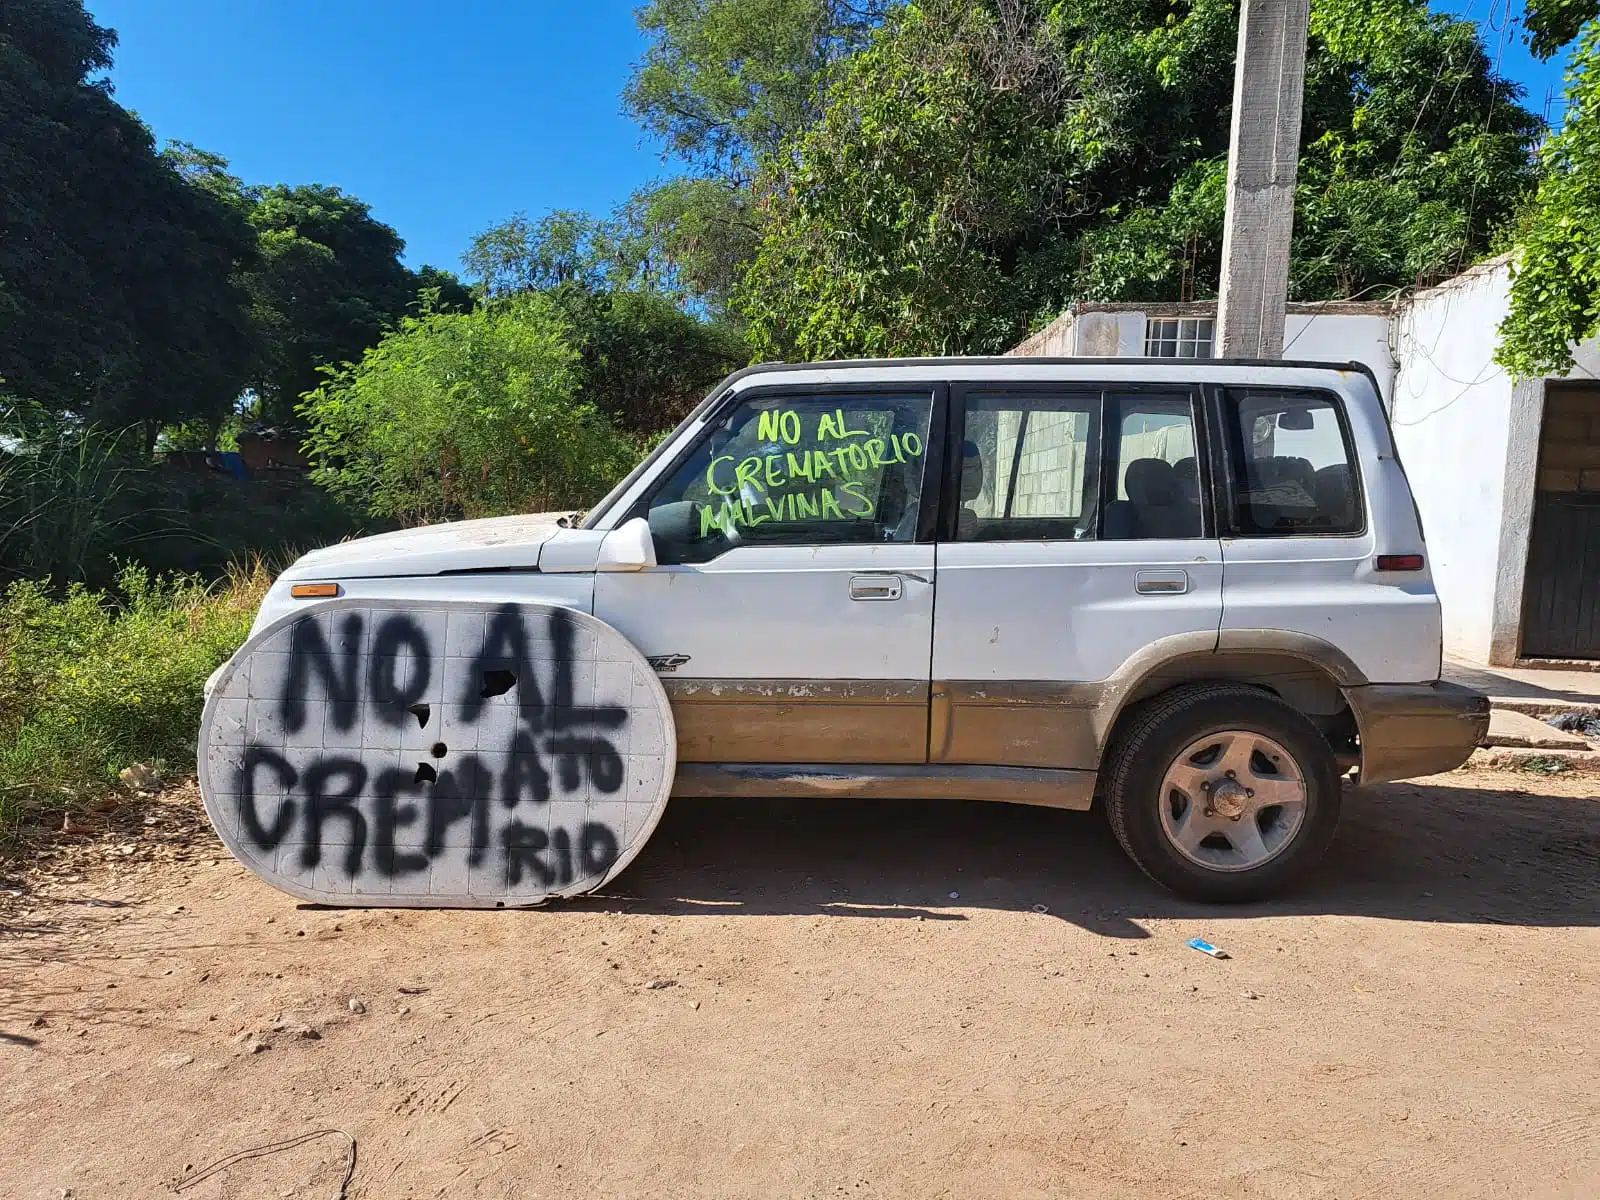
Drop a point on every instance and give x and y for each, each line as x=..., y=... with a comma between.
x=1292, y=469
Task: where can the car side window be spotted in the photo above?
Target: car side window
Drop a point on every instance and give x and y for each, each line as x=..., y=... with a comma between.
x=1157, y=480
x=797, y=470
x=1029, y=467
x=1293, y=472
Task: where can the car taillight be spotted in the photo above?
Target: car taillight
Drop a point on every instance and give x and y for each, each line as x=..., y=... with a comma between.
x=1400, y=562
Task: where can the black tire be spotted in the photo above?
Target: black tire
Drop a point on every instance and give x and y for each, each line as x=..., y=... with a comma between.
x=1149, y=742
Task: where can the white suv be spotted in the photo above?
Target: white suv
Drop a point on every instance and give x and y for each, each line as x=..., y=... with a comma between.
x=1196, y=590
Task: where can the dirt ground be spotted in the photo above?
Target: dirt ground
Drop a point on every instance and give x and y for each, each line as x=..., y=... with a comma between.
x=832, y=999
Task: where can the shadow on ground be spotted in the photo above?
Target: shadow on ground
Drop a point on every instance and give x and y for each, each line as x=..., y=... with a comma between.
x=1407, y=851
x=1582, y=687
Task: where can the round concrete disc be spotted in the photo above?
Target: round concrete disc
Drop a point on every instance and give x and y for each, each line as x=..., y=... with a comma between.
x=436, y=753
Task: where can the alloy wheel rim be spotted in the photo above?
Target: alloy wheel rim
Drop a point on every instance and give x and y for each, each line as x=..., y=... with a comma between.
x=1232, y=800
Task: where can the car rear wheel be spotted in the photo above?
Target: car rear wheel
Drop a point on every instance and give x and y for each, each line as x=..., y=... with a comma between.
x=1222, y=792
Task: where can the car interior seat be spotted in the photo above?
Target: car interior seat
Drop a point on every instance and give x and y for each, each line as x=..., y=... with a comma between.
x=1157, y=502
x=1336, y=497
x=1188, y=473
x=1282, y=492
x=897, y=509
x=1299, y=473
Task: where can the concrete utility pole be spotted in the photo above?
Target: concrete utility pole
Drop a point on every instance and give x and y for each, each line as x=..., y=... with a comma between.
x=1263, y=155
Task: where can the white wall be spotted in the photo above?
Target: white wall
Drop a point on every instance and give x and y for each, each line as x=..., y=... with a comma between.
x=1317, y=336
x=1469, y=438
x=1055, y=340
x=1468, y=435
x=1115, y=334
x=1452, y=420
x=1342, y=337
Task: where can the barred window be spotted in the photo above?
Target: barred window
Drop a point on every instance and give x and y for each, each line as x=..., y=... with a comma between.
x=1179, y=337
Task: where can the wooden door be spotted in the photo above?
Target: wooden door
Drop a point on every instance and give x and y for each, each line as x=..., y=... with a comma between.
x=1561, y=597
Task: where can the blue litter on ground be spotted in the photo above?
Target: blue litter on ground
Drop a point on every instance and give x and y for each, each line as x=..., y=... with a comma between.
x=1206, y=947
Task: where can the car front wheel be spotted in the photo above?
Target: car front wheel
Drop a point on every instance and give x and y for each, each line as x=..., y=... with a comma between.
x=1222, y=792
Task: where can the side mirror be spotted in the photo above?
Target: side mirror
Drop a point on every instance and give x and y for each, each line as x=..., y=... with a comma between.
x=628, y=547
x=676, y=524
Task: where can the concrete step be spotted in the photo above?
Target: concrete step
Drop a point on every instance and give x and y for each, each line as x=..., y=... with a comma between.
x=1519, y=760
x=1544, y=707
x=1518, y=731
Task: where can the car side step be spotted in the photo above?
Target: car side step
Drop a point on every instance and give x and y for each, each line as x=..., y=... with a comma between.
x=1046, y=787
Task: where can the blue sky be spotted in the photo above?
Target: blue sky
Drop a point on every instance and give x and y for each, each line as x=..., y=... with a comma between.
x=445, y=117
x=1506, y=41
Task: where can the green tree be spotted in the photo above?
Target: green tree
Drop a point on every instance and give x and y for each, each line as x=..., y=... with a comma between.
x=643, y=357
x=465, y=415
x=565, y=247
x=687, y=239
x=118, y=296
x=326, y=280
x=329, y=284
x=209, y=172
x=983, y=162
x=643, y=360
x=705, y=232
x=724, y=82
x=1555, y=290
x=1553, y=24
x=721, y=84
x=439, y=290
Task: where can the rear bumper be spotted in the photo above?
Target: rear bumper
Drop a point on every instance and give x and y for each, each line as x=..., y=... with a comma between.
x=1412, y=729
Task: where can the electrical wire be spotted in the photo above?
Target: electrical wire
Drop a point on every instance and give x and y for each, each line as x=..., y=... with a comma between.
x=1483, y=376
x=223, y=1164
x=1465, y=391
x=1321, y=304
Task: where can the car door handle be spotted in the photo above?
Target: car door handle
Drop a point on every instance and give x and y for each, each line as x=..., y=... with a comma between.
x=1161, y=583
x=875, y=587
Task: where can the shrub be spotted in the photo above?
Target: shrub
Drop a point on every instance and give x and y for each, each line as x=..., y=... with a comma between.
x=198, y=523
x=465, y=415
x=94, y=681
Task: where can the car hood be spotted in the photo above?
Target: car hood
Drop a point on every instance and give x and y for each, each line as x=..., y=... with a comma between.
x=493, y=543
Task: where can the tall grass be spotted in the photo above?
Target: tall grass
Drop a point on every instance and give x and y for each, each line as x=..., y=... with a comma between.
x=92, y=681
x=76, y=503
x=103, y=663
x=65, y=504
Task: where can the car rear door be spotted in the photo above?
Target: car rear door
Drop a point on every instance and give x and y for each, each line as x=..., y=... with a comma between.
x=1077, y=535
x=1304, y=556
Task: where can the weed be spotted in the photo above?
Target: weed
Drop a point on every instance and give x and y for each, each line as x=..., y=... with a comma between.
x=64, y=503
x=1545, y=764
x=93, y=681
